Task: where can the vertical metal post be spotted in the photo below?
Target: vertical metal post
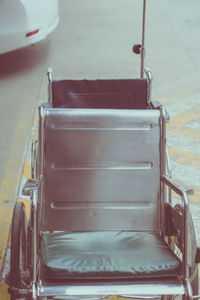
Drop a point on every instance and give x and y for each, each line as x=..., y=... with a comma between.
x=35, y=196
x=50, y=79
x=162, y=166
x=187, y=256
x=143, y=39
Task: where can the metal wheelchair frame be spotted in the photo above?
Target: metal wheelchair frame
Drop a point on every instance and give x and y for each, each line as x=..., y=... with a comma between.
x=166, y=288
x=39, y=289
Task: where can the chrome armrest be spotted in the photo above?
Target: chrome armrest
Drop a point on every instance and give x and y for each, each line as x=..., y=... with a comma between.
x=184, y=187
x=182, y=192
x=177, y=186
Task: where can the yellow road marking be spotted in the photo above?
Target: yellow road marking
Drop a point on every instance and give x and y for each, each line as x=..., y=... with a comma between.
x=194, y=198
x=184, y=158
x=178, y=123
x=177, y=94
x=10, y=182
x=27, y=169
x=4, y=293
x=35, y=121
x=27, y=205
x=8, y=188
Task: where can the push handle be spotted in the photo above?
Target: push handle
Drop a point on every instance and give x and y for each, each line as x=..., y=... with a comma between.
x=143, y=39
x=50, y=79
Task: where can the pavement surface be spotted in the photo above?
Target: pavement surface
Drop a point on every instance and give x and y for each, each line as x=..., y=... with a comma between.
x=94, y=40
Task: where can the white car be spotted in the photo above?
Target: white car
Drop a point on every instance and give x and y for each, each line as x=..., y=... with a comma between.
x=26, y=22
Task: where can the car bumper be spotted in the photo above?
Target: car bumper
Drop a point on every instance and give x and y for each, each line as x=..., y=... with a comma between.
x=24, y=26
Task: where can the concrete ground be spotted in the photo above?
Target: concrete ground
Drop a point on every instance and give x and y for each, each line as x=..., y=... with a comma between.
x=94, y=40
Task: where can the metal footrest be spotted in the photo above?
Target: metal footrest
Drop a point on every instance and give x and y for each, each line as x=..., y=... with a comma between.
x=129, y=290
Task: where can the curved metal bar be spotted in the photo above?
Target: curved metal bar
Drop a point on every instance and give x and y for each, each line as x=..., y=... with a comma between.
x=149, y=80
x=186, y=229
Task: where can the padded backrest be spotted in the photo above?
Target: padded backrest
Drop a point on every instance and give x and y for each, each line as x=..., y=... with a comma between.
x=104, y=93
x=101, y=169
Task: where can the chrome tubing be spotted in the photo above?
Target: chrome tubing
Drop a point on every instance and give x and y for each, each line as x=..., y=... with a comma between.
x=169, y=169
x=33, y=158
x=50, y=79
x=143, y=39
x=186, y=230
x=149, y=80
x=127, y=290
x=35, y=198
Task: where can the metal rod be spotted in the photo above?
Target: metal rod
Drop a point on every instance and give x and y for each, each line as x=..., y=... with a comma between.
x=143, y=39
x=50, y=79
x=34, y=234
x=149, y=79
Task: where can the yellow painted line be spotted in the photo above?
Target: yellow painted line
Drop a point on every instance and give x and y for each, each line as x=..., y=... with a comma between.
x=35, y=120
x=195, y=199
x=10, y=182
x=187, y=159
x=8, y=189
x=184, y=158
x=190, y=133
x=4, y=293
x=27, y=174
x=27, y=205
x=27, y=169
x=178, y=123
x=177, y=94
x=185, y=117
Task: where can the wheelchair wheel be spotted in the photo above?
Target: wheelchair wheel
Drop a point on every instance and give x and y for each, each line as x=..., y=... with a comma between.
x=194, y=267
x=18, y=255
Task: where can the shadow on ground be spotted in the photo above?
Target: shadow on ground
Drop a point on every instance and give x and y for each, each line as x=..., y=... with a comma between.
x=19, y=61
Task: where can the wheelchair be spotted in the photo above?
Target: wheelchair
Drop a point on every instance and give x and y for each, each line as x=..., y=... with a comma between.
x=102, y=219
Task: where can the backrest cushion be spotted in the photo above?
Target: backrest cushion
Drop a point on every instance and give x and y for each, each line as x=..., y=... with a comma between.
x=101, y=169
x=104, y=93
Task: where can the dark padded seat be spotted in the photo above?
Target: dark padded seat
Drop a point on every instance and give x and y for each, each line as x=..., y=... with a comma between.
x=100, y=93
x=106, y=255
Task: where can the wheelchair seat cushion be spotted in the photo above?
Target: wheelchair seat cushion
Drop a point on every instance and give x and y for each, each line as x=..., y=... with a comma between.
x=106, y=255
